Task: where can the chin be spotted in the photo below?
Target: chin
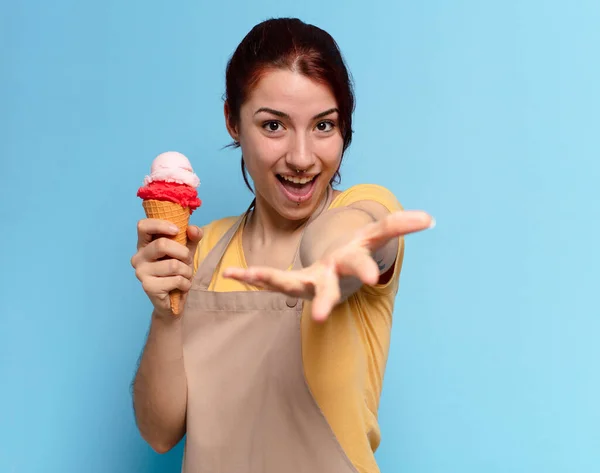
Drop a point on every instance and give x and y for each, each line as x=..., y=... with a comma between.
x=292, y=211
x=303, y=212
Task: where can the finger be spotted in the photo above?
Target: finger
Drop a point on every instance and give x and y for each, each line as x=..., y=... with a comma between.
x=161, y=287
x=360, y=265
x=289, y=282
x=194, y=235
x=149, y=228
x=165, y=268
x=257, y=276
x=240, y=274
x=327, y=294
x=167, y=248
x=377, y=234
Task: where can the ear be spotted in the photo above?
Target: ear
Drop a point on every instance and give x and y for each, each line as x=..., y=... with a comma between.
x=230, y=123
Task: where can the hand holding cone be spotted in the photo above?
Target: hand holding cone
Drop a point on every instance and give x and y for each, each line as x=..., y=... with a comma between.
x=169, y=193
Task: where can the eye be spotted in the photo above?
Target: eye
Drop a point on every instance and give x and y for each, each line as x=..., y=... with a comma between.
x=272, y=126
x=325, y=126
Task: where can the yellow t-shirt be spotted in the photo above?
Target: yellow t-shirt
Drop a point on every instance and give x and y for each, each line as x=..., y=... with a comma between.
x=344, y=358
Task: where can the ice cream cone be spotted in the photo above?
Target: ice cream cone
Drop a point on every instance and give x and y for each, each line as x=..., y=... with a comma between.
x=179, y=216
x=169, y=193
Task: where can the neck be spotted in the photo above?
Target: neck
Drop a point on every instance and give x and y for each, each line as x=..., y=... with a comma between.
x=266, y=225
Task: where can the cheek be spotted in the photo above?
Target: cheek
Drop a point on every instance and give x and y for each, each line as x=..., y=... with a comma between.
x=330, y=151
x=260, y=153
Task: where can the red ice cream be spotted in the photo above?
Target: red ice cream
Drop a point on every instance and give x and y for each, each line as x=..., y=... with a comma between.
x=181, y=194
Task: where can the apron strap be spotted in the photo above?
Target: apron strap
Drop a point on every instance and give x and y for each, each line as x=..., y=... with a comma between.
x=213, y=258
x=207, y=267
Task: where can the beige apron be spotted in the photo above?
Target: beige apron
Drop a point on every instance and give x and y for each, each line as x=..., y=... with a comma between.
x=249, y=407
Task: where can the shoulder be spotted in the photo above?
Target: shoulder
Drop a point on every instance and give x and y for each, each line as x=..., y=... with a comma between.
x=216, y=229
x=378, y=201
x=212, y=233
x=366, y=192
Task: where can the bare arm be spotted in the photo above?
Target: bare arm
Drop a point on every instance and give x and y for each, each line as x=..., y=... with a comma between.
x=340, y=250
x=338, y=227
x=160, y=386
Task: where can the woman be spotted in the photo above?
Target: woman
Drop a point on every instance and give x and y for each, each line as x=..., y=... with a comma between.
x=277, y=361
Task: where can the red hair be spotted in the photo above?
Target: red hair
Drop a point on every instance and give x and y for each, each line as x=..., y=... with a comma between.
x=288, y=43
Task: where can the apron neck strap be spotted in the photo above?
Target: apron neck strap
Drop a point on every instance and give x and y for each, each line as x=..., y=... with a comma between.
x=214, y=256
x=212, y=260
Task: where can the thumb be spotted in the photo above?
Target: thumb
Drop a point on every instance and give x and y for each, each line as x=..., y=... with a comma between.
x=194, y=235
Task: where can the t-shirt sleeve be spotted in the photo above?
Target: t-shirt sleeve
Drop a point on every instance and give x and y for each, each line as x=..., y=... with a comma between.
x=371, y=192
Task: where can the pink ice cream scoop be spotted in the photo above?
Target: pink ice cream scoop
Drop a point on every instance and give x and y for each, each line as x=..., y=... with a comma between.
x=172, y=167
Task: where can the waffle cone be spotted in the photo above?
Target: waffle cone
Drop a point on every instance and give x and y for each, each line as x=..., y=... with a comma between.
x=179, y=216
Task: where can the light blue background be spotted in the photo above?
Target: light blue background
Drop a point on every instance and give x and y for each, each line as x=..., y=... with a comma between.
x=486, y=114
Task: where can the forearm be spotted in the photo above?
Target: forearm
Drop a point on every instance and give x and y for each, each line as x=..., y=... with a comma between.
x=337, y=228
x=160, y=386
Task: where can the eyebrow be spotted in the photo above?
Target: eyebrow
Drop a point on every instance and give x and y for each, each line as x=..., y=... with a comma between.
x=285, y=115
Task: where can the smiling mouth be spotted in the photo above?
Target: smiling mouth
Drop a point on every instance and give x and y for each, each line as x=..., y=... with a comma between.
x=298, y=188
x=295, y=179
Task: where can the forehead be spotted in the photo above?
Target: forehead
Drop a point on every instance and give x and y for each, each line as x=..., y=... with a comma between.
x=291, y=92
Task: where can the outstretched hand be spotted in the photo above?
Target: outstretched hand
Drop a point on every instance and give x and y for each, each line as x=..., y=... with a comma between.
x=320, y=282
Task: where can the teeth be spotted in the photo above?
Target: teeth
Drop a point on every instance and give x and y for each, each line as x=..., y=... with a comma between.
x=298, y=180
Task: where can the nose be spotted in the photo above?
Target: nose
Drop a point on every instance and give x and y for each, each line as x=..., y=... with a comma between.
x=300, y=155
